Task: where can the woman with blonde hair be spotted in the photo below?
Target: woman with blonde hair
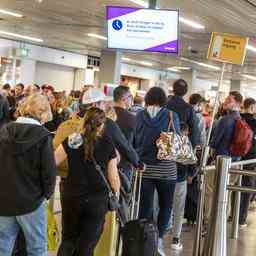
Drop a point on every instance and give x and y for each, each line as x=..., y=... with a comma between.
x=28, y=177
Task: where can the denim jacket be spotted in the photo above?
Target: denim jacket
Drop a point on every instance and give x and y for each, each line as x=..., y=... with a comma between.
x=223, y=133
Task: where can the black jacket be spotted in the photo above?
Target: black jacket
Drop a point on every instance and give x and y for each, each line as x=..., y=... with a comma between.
x=4, y=110
x=187, y=116
x=123, y=146
x=127, y=123
x=251, y=121
x=28, y=169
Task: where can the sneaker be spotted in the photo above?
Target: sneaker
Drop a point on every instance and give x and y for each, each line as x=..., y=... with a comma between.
x=243, y=225
x=161, y=251
x=176, y=244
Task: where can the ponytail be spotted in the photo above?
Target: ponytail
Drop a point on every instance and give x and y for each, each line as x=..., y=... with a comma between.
x=93, y=120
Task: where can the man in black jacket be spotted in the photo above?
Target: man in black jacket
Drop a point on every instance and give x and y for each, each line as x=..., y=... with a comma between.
x=187, y=118
x=27, y=177
x=125, y=120
x=248, y=116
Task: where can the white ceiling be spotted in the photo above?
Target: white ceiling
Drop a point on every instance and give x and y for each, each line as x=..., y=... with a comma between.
x=64, y=24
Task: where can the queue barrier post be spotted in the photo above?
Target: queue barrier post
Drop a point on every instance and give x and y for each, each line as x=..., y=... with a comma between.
x=216, y=239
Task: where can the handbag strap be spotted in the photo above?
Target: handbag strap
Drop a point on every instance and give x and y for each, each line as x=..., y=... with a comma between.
x=99, y=170
x=171, y=123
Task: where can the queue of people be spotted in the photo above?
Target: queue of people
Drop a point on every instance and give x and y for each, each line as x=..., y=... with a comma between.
x=44, y=133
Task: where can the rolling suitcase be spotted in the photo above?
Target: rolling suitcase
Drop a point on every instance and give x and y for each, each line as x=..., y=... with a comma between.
x=139, y=236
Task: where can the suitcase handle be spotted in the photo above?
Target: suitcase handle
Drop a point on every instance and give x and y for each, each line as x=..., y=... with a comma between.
x=136, y=186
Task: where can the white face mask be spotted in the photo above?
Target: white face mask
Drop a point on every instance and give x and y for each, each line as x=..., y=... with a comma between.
x=153, y=110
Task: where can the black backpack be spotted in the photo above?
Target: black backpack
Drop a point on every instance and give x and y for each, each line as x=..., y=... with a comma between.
x=140, y=238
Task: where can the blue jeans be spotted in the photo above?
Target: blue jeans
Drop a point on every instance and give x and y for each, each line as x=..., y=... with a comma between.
x=165, y=190
x=34, y=227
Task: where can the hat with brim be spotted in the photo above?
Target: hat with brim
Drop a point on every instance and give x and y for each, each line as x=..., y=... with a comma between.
x=93, y=95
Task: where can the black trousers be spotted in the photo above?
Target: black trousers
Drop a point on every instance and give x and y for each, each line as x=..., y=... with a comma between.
x=83, y=220
x=246, y=198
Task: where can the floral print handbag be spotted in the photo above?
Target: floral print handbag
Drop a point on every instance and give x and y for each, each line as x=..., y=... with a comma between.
x=173, y=147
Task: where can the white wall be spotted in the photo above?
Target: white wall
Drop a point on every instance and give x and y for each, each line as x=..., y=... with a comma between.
x=60, y=74
x=60, y=77
x=27, y=71
x=45, y=54
x=146, y=73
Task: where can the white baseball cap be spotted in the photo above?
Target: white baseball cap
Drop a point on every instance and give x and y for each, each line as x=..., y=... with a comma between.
x=94, y=95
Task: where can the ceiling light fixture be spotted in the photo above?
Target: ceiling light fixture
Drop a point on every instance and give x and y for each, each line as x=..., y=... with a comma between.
x=174, y=70
x=14, y=14
x=200, y=63
x=145, y=63
x=38, y=40
x=141, y=3
x=251, y=48
x=191, y=23
x=181, y=68
x=208, y=66
x=249, y=77
x=97, y=36
x=126, y=59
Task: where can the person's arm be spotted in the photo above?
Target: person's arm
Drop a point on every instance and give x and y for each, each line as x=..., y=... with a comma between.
x=193, y=127
x=123, y=146
x=60, y=155
x=197, y=131
x=219, y=132
x=48, y=168
x=113, y=176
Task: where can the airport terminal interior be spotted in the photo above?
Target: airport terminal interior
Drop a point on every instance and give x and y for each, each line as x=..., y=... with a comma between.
x=128, y=127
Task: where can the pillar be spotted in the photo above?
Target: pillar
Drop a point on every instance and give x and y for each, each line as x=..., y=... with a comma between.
x=79, y=78
x=235, y=85
x=110, y=67
x=190, y=78
x=152, y=4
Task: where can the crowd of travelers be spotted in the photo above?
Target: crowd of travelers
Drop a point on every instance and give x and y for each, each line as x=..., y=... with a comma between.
x=44, y=133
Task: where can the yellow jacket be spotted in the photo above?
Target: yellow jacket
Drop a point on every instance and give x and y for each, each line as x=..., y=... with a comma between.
x=65, y=129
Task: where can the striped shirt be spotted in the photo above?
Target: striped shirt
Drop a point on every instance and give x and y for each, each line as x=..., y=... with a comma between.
x=164, y=170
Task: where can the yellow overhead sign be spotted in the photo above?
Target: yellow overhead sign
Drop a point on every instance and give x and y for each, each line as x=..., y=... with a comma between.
x=227, y=48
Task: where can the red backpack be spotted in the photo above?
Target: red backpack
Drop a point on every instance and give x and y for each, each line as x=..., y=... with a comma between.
x=243, y=137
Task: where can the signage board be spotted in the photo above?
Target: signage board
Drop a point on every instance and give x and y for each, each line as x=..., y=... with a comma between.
x=227, y=48
x=143, y=29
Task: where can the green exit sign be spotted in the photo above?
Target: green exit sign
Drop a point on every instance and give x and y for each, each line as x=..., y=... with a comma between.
x=24, y=52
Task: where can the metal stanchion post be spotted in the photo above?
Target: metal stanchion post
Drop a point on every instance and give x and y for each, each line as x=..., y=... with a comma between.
x=216, y=239
x=236, y=212
x=202, y=178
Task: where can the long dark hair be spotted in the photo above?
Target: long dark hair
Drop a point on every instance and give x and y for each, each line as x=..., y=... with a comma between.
x=93, y=119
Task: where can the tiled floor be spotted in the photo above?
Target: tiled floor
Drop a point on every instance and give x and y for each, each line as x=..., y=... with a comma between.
x=245, y=246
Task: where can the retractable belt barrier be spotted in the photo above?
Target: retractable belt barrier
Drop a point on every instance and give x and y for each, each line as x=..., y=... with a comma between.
x=215, y=243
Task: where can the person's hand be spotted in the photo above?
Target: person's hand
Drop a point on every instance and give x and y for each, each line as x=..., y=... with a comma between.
x=141, y=167
x=190, y=180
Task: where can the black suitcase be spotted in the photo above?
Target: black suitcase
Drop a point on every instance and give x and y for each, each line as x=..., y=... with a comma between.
x=139, y=237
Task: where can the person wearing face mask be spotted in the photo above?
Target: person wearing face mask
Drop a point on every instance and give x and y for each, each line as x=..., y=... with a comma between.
x=125, y=119
x=160, y=175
